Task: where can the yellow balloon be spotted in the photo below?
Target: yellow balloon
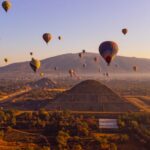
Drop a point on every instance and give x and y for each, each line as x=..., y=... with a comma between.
x=35, y=64
x=6, y=5
x=41, y=74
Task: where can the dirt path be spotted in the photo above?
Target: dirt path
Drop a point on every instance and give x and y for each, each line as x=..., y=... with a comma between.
x=11, y=96
x=138, y=103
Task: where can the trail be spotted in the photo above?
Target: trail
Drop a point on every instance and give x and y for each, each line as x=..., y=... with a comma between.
x=13, y=95
x=138, y=103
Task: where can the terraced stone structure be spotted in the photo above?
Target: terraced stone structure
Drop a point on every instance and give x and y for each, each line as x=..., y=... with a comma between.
x=91, y=95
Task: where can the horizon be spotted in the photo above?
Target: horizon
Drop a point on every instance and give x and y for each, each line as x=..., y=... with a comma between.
x=75, y=53
x=80, y=28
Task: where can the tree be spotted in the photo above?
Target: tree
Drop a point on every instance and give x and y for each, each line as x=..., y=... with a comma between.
x=124, y=138
x=121, y=124
x=46, y=148
x=29, y=148
x=77, y=147
x=13, y=121
x=1, y=134
x=134, y=124
x=104, y=143
x=41, y=123
x=43, y=114
x=113, y=146
x=62, y=140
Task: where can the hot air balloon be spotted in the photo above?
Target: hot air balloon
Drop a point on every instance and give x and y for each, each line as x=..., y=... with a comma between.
x=80, y=55
x=108, y=50
x=83, y=51
x=6, y=5
x=35, y=64
x=124, y=31
x=6, y=60
x=59, y=38
x=41, y=74
x=55, y=68
x=47, y=37
x=84, y=65
x=107, y=74
x=31, y=53
x=71, y=72
x=99, y=70
x=95, y=59
x=135, y=68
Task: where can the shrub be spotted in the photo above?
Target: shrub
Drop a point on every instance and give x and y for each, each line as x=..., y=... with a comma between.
x=113, y=146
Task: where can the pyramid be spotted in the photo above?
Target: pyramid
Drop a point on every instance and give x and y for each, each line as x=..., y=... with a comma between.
x=91, y=95
x=43, y=83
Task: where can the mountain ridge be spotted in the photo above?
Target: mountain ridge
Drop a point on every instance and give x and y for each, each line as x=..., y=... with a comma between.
x=64, y=62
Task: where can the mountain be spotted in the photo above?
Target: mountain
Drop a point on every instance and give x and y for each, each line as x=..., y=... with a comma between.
x=66, y=61
x=91, y=95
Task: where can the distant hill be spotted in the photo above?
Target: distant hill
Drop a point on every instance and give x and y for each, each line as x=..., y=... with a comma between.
x=67, y=61
x=91, y=95
x=42, y=83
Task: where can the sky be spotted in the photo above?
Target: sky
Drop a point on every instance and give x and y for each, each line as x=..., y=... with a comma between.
x=83, y=24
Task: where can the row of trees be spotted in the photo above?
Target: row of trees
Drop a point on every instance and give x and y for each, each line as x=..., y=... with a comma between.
x=137, y=125
x=63, y=129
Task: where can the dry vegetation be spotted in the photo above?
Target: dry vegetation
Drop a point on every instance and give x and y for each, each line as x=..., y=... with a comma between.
x=64, y=130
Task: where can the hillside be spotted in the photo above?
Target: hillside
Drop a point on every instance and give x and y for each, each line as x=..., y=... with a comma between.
x=67, y=61
x=91, y=95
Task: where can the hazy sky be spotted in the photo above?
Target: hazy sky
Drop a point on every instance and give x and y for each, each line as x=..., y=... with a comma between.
x=83, y=24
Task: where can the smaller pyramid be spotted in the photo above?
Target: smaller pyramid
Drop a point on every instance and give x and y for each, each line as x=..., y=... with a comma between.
x=43, y=83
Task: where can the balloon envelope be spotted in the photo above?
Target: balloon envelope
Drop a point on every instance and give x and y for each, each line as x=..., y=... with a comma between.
x=6, y=60
x=31, y=53
x=80, y=55
x=55, y=68
x=35, y=64
x=47, y=37
x=59, y=37
x=41, y=74
x=135, y=68
x=124, y=31
x=6, y=5
x=95, y=59
x=83, y=51
x=84, y=65
x=108, y=50
x=71, y=72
